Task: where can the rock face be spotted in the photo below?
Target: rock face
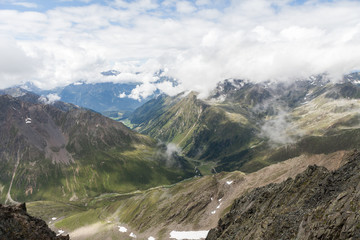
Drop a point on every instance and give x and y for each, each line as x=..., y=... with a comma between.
x=317, y=204
x=15, y=223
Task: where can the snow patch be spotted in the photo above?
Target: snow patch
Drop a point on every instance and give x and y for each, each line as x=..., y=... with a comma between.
x=54, y=218
x=151, y=238
x=122, y=229
x=229, y=182
x=218, y=206
x=132, y=235
x=213, y=212
x=60, y=232
x=188, y=235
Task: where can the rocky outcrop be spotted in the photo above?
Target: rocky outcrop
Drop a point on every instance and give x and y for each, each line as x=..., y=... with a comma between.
x=317, y=204
x=17, y=224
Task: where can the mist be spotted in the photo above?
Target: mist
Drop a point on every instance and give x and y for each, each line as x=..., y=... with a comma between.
x=169, y=153
x=276, y=129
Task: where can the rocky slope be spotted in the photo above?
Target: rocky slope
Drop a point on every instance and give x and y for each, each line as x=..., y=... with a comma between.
x=49, y=151
x=192, y=205
x=316, y=204
x=17, y=224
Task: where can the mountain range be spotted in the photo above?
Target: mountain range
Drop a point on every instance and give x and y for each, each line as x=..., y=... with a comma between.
x=188, y=162
x=107, y=98
x=111, y=99
x=246, y=126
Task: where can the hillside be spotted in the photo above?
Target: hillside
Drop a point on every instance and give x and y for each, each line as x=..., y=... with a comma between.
x=246, y=126
x=48, y=152
x=192, y=205
x=316, y=204
x=203, y=131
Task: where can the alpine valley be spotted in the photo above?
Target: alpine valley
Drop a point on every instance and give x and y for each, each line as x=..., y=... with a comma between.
x=264, y=160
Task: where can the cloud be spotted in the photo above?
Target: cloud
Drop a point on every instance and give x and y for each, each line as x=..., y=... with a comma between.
x=185, y=7
x=122, y=95
x=142, y=91
x=15, y=65
x=172, y=149
x=25, y=4
x=50, y=98
x=200, y=42
x=202, y=2
x=276, y=129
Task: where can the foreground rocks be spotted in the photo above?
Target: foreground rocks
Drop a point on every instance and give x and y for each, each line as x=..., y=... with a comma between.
x=15, y=223
x=317, y=204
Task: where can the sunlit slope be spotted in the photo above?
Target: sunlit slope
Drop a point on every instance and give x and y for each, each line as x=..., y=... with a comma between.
x=246, y=126
x=48, y=153
x=194, y=204
x=202, y=130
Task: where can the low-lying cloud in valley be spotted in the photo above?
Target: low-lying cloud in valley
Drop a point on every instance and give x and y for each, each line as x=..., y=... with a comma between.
x=198, y=42
x=277, y=129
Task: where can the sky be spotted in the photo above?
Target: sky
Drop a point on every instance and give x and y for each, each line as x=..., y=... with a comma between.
x=198, y=42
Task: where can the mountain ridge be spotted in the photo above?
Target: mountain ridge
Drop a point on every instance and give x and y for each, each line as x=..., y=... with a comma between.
x=315, y=204
x=245, y=126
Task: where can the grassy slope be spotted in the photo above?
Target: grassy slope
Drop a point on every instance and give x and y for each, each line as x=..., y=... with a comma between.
x=187, y=205
x=94, y=173
x=227, y=134
x=203, y=131
x=322, y=125
x=105, y=156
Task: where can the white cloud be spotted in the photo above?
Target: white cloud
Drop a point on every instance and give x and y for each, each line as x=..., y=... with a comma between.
x=15, y=65
x=26, y=4
x=276, y=129
x=209, y=14
x=168, y=87
x=142, y=91
x=202, y=2
x=50, y=98
x=200, y=43
x=172, y=149
x=185, y=7
x=122, y=95
x=137, y=5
